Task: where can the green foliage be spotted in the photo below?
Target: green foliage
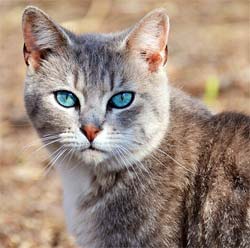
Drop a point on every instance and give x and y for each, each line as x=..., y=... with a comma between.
x=211, y=89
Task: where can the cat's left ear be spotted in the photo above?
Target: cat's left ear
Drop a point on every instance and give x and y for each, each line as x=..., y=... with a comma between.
x=149, y=38
x=41, y=36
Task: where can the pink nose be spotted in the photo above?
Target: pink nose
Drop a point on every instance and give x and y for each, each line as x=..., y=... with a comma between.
x=90, y=131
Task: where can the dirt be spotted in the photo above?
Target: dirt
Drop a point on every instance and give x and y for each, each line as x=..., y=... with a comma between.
x=208, y=39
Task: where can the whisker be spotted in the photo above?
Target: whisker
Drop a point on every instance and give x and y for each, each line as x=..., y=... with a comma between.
x=71, y=153
x=65, y=155
x=47, y=144
x=165, y=153
x=50, y=135
x=140, y=165
x=51, y=163
x=58, y=157
x=138, y=162
x=129, y=173
x=131, y=166
x=36, y=142
x=174, y=160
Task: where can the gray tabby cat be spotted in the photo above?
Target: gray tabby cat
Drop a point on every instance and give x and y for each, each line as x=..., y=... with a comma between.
x=142, y=164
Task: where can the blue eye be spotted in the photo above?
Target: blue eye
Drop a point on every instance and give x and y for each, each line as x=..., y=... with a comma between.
x=121, y=100
x=66, y=98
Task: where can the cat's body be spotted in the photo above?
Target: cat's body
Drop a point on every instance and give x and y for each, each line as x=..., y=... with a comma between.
x=198, y=197
x=178, y=177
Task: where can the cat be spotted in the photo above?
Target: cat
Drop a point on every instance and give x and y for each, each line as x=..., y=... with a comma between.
x=141, y=163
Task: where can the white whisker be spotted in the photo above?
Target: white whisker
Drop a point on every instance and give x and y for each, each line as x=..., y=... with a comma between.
x=49, y=165
x=37, y=142
x=178, y=163
x=131, y=165
x=47, y=144
x=129, y=173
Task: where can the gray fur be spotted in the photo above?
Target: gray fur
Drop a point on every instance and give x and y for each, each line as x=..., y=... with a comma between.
x=172, y=174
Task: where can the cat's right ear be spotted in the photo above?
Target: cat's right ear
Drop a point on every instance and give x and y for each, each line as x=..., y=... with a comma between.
x=41, y=36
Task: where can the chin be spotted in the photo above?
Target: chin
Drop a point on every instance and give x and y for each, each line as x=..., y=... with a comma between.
x=92, y=157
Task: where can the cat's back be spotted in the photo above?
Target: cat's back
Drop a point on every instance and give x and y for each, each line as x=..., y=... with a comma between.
x=222, y=184
x=230, y=146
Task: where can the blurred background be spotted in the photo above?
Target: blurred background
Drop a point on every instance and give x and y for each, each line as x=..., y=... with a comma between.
x=209, y=57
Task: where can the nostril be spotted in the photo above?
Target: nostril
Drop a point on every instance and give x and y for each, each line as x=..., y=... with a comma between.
x=90, y=131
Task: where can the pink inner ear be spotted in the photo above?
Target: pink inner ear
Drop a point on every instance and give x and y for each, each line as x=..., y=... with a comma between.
x=149, y=40
x=154, y=61
x=31, y=51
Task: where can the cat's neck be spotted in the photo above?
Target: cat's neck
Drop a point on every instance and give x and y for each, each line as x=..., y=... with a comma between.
x=186, y=133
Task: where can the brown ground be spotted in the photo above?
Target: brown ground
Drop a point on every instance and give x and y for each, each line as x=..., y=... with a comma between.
x=208, y=39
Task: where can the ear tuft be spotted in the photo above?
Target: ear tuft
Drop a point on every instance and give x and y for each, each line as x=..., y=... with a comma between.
x=148, y=40
x=40, y=34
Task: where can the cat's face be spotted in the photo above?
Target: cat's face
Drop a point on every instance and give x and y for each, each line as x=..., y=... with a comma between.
x=102, y=99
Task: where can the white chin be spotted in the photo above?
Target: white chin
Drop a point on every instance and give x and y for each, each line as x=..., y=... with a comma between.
x=92, y=156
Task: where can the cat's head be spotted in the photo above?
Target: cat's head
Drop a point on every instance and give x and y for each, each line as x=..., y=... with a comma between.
x=100, y=98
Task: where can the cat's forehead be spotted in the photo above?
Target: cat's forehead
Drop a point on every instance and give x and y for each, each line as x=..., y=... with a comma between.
x=98, y=50
x=99, y=61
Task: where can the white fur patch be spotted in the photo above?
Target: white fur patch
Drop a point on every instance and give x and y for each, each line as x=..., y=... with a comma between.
x=76, y=184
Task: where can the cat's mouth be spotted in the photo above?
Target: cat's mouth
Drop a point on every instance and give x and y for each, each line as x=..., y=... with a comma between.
x=92, y=148
x=92, y=155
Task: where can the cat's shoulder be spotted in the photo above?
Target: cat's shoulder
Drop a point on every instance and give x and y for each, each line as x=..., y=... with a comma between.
x=226, y=155
x=234, y=121
x=231, y=143
x=231, y=131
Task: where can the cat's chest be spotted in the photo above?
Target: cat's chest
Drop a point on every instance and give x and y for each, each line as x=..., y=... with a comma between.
x=77, y=185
